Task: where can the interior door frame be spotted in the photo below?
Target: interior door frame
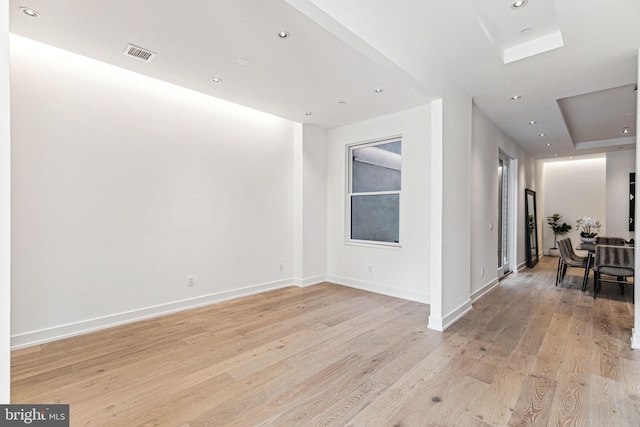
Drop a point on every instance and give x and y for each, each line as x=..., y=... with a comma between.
x=512, y=195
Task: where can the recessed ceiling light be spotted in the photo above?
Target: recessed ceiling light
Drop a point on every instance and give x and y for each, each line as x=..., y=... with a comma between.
x=519, y=4
x=516, y=97
x=626, y=130
x=532, y=122
x=555, y=155
x=341, y=102
x=216, y=80
x=378, y=90
x=29, y=12
x=543, y=134
x=549, y=144
x=243, y=61
x=526, y=31
x=283, y=34
x=308, y=113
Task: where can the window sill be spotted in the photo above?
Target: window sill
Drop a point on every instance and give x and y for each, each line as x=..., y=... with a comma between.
x=369, y=244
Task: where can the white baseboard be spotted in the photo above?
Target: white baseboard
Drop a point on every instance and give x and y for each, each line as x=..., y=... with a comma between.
x=91, y=325
x=484, y=290
x=440, y=324
x=521, y=266
x=635, y=339
x=309, y=281
x=380, y=289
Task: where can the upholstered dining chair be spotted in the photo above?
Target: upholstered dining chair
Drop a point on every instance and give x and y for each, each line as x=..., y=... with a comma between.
x=616, y=261
x=566, y=261
x=573, y=253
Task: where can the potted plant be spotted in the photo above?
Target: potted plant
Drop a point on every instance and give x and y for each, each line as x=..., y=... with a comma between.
x=588, y=227
x=559, y=228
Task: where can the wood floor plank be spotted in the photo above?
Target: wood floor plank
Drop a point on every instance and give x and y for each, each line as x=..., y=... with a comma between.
x=603, y=407
x=534, y=405
x=529, y=353
x=496, y=405
x=553, y=346
x=569, y=404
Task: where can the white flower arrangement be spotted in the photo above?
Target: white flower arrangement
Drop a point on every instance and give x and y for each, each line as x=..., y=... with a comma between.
x=588, y=226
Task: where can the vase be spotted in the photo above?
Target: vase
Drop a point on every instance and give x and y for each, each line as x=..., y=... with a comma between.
x=588, y=239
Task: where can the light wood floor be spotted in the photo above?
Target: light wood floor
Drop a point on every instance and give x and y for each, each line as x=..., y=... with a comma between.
x=528, y=354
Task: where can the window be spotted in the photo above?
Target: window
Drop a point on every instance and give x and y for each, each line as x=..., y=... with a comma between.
x=374, y=192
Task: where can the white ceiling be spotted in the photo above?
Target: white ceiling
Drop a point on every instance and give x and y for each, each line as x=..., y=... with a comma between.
x=583, y=53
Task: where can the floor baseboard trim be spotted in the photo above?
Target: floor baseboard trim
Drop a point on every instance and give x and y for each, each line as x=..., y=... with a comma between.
x=379, y=289
x=310, y=281
x=484, y=290
x=55, y=333
x=441, y=324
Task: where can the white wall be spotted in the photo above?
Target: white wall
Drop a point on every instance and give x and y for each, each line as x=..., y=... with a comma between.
x=124, y=186
x=404, y=271
x=488, y=140
x=5, y=203
x=574, y=189
x=619, y=165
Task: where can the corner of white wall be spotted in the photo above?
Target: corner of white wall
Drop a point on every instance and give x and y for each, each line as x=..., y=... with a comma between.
x=435, y=315
x=636, y=320
x=297, y=203
x=5, y=205
x=451, y=207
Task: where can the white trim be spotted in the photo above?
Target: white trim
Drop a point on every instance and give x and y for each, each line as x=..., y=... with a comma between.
x=380, y=289
x=373, y=243
x=484, y=290
x=451, y=318
x=435, y=323
x=521, y=266
x=91, y=325
x=635, y=339
x=309, y=281
x=436, y=226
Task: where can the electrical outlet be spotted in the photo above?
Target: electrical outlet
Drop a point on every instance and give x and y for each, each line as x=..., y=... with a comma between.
x=192, y=281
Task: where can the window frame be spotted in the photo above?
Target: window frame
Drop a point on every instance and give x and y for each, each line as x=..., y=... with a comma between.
x=350, y=194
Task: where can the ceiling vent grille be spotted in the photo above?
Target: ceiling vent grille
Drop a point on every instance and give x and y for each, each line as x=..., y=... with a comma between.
x=139, y=53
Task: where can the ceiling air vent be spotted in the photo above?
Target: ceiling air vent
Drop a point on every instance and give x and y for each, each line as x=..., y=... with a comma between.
x=140, y=53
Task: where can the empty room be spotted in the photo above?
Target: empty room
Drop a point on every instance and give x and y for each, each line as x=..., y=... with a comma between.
x=311, y=212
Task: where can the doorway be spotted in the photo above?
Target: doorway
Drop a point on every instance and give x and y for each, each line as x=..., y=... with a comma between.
x=505, y=214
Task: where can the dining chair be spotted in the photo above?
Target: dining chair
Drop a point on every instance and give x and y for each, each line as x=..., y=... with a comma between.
x=560, y=268
x=567, y=261
x=573, y=253
x=614, y=261
x=604, y=240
